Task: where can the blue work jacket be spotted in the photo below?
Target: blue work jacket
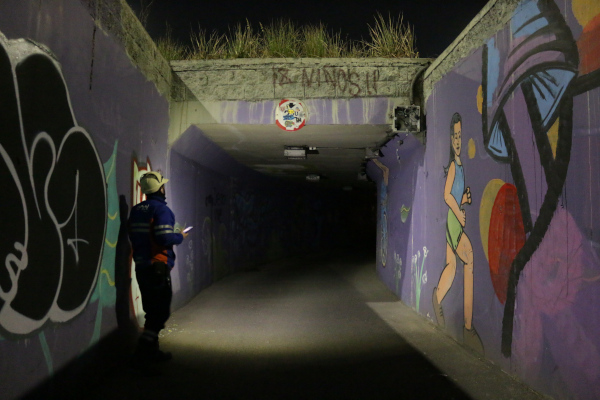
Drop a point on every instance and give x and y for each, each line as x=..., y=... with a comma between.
x=151, y=231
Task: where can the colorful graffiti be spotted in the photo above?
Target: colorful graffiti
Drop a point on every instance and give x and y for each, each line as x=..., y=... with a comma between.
x=383, y=199
x=531, y=66
x=537, y=185
x=105, y=293
x=549, y=324
x=502, y=231
x=404, y=213
x=56, y=181
x=419, y=275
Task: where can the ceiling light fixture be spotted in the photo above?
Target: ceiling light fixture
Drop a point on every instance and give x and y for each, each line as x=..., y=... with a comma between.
x=299, y=152
x=295, y=152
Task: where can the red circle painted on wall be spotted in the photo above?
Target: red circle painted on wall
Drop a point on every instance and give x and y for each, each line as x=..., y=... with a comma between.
x=290, y=115
x=506, y=237
x=589, y=47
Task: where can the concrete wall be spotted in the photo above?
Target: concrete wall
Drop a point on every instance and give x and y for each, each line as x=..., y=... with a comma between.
x=526, y=85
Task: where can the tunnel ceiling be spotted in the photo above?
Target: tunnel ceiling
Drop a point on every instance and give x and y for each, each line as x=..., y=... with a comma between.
x=341, y=149
x=347, y=105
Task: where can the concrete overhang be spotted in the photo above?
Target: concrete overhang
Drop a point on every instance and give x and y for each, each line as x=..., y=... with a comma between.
x=349, y=105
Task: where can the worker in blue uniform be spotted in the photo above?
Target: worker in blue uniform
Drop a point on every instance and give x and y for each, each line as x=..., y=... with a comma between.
x=153, y=235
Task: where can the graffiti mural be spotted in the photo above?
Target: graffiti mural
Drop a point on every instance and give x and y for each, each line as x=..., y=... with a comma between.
x=458, y=244
x=404, y=212
x=549, y=324
x=533, y=71
x=419, y=275
x=538, y=100
x=383, y=199
x=105, y=293
x=346, y=81
x=56, y=181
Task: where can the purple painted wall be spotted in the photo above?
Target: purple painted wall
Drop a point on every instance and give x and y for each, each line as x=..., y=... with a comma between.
x=529, y=103
x=59, y=292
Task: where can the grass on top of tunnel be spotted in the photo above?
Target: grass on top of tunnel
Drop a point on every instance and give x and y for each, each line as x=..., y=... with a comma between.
x=388, y=37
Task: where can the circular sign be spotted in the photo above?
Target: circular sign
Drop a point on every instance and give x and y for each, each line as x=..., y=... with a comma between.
x=290, y=115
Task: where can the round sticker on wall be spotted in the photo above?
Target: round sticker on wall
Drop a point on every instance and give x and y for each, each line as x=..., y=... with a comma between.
x=290, y=115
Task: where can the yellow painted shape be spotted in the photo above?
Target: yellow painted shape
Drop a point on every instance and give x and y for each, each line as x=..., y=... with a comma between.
x=480, y=99
x=485, y=211
x=553, y=137
x=113, y=245
x=113, y=217
x=472, y=149
x=585, y=10
x=110, y=281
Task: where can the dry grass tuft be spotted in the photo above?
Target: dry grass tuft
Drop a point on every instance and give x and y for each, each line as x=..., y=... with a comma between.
x=170, y=48
x=391, y=38
x=388, y=38
x=207, y=47
x=280, y=39
x=317, y=42
x=243, y=42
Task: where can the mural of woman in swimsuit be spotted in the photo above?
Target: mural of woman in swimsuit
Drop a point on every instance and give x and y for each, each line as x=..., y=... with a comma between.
x=457, y=241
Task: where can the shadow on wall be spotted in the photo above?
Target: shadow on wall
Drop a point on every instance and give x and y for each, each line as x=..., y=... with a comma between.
x=122, y=268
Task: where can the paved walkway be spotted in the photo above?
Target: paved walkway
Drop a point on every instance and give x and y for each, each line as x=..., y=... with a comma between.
x=310, y=329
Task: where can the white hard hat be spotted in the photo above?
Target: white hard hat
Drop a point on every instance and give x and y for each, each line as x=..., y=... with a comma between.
x=151, y=182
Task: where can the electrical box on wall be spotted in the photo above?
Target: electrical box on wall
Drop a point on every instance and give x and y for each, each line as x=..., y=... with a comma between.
x=407, y=119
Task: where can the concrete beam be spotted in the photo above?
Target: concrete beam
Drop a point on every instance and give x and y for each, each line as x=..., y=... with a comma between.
x=303, y=78
x=115, y=17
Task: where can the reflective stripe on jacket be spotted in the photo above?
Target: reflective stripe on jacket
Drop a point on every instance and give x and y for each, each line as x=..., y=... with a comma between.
x=151, y=231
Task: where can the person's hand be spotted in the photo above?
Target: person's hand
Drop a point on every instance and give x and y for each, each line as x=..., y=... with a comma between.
x=184, y=234
x=467, y=196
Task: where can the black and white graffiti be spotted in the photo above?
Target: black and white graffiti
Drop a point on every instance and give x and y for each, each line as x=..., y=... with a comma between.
x=53, y=217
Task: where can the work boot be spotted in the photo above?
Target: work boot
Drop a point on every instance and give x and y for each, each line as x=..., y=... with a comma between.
x=142, y=361
x=161, y=356
x=437, y=309
x=472, y=340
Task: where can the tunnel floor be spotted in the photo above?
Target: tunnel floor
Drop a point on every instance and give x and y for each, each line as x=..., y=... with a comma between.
x=311, y=328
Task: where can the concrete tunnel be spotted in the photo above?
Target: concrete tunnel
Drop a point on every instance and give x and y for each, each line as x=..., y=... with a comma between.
x=317, y=191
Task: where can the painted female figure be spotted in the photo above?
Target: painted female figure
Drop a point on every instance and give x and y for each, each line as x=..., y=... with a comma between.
x=457, y=241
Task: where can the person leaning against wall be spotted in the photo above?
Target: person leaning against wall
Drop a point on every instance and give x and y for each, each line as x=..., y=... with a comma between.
x=152, y=235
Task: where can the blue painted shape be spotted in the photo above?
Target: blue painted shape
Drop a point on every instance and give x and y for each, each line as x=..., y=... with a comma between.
x=527, y=19
x=549, y=87
x=47, y=353
x=105, y=292
x=497, y=145
x=493, y=70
